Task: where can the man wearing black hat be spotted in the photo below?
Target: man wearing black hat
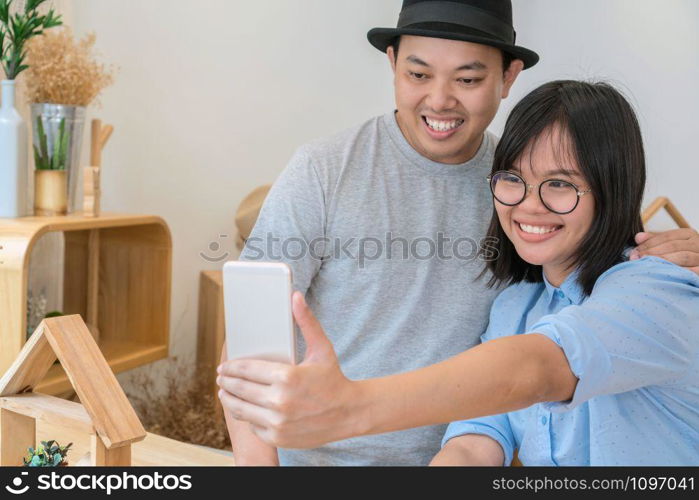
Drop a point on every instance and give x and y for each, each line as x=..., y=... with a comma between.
x=381, y=224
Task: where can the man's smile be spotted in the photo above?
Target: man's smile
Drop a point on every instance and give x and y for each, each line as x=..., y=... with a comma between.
x=442, y=128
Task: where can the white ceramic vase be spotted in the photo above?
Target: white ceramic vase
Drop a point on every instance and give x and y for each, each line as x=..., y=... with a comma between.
x=13, y=156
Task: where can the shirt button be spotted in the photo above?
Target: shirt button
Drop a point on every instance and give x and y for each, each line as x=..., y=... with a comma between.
x=543, y=420
x=559, y=294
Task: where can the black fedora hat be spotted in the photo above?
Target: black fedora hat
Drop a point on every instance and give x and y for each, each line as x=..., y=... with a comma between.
x=488, y=22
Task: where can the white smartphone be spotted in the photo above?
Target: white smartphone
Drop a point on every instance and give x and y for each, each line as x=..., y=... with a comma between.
x=257, y=304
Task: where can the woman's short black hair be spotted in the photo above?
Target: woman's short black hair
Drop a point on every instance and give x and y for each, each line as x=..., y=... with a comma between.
x=602, y=135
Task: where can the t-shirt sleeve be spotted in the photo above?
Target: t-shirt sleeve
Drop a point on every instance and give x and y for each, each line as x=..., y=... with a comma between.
x=496, y=427
x=291, y=225
x=639, y=327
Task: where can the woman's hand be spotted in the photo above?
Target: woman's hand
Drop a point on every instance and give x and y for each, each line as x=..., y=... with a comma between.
x=301, y=406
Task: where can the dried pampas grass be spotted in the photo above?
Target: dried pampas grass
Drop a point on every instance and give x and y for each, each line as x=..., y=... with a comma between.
x=187, y=411
x=63, y=70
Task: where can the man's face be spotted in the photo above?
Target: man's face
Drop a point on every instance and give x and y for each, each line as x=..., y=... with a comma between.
x=447, y=93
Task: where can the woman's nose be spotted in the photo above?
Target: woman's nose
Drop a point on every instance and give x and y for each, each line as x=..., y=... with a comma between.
x=532, y=202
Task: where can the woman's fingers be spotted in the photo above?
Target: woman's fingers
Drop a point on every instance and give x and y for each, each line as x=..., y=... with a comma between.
x=252, y=392
x=255, y=370
x=245, y=411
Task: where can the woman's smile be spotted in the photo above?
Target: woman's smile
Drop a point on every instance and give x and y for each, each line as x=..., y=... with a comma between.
x=533, y=232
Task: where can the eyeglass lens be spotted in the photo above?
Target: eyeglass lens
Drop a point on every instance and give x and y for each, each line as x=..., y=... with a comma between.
x=558, y=196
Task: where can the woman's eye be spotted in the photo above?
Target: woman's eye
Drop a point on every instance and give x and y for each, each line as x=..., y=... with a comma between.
x=512, y=178
x=558, y=184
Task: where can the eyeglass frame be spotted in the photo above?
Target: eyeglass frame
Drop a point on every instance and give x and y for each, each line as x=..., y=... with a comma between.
x=529, y=187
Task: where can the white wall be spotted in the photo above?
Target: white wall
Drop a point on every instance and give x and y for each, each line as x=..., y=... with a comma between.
x=213, y=96
x=211, y=99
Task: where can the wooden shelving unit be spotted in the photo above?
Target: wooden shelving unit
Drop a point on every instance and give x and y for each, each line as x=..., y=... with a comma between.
x=117, y=276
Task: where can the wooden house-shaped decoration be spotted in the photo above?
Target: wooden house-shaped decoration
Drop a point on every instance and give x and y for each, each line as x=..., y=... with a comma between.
x=660, y=203
x=104, y=412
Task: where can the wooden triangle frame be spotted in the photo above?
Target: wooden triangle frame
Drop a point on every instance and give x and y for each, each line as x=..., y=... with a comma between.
x=665, y=203
x=104, y=410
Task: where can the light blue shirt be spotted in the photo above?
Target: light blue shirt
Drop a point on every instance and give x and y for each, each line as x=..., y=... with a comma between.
x=634, y=346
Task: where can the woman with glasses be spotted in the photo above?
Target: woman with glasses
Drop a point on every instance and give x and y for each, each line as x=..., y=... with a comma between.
x=588, y=359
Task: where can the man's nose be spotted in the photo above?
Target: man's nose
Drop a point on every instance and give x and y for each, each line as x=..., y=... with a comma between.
x=441, y=96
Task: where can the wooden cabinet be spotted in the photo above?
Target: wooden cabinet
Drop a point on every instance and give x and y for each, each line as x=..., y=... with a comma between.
x=211, y=327
x=117, y=276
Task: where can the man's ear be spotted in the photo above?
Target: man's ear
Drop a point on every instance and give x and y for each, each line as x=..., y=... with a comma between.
x=511, y=74
x=391, y=58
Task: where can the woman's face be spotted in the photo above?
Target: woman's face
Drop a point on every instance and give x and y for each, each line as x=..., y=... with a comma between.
x=540, y=236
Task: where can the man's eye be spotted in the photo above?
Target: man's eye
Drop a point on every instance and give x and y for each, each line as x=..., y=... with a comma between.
x=469, y=81
x=417, y=76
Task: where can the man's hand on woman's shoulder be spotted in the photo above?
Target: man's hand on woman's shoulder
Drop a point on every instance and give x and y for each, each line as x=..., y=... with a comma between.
x=679, y=246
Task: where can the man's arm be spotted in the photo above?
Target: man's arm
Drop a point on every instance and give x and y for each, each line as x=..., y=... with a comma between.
x=294, y=210
x=248, y=449
x=471, y=449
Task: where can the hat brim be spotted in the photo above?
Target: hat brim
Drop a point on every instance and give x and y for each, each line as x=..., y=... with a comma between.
x=382, y=38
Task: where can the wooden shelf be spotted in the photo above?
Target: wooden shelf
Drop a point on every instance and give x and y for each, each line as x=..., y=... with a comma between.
x=117, y=276
x=211, y=332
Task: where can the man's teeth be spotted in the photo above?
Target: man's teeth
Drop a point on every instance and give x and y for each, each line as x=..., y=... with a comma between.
x=443, y=126
x=538, y=229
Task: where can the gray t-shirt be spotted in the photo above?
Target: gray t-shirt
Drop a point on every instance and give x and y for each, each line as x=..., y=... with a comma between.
x=383, y=242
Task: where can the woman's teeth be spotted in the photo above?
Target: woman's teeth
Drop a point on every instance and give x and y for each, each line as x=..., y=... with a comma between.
x=538, y=229
x=442, y=126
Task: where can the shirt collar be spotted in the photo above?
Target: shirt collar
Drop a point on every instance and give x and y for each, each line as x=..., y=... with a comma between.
x=570, y=288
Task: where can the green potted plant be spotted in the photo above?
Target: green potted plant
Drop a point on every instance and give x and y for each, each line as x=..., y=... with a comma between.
x=51, y=183
x=63, y=79
x=48, y=454
x=16, y=29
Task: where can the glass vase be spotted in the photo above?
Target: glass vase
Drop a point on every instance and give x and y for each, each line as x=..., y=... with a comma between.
x=57, y=139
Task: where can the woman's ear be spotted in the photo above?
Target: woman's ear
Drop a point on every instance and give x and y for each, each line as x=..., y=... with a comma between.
x=510, y=75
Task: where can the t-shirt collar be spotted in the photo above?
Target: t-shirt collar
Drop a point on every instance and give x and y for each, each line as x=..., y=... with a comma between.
x=432, y=167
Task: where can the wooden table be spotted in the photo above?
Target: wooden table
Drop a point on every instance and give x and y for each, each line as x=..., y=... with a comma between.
x=153, y=451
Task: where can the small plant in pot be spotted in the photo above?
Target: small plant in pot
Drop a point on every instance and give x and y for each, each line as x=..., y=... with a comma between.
x=51, y=183
x=48, y=454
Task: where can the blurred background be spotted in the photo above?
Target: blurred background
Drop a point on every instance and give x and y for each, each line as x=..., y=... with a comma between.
x=212, y=97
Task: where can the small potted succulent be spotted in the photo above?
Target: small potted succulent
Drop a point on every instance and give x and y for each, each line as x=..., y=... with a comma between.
x=48, y=454
x=51, y=182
